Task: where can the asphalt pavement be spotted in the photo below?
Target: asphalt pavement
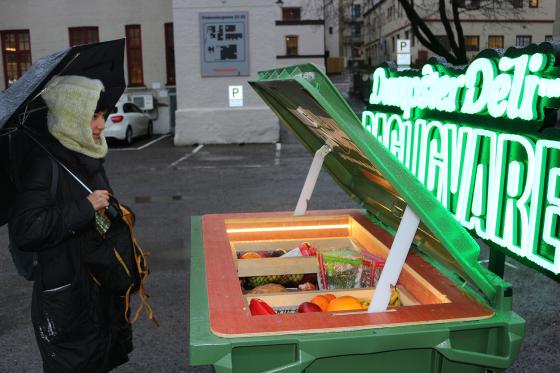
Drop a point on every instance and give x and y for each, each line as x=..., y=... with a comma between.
x=165, y=186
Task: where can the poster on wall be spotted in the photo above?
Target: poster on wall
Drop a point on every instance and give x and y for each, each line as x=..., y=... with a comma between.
x=224, y=38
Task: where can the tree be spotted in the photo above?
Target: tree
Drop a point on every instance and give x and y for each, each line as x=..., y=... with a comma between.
x=456, y=52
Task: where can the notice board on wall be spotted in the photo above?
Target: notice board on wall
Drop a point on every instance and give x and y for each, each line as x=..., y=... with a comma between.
x=224, y=40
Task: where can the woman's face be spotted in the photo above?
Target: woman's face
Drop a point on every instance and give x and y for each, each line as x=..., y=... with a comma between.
x=97, y=125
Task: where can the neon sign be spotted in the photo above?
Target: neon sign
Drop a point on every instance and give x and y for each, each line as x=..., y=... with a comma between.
x=504, y=187
x=508, y=88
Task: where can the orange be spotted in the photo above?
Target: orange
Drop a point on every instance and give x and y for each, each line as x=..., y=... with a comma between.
x=250, y=255
x=345, y=303
x=321, y=301
x=330, y=296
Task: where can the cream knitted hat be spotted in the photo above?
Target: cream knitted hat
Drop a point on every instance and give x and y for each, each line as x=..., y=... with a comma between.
x=71, y=101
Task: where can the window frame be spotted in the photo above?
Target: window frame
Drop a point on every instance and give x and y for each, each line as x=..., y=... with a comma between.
x=169, y=54
x=85, y=29
x=496, y=36
x=474, y=37
x=517, y=37
x=129, y=50
x=296, y=37
x=286, y=13
x=18, y=53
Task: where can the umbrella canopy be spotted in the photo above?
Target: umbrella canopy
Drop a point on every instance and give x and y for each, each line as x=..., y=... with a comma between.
x=23, y=110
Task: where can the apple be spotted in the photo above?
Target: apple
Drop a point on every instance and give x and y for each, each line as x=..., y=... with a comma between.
x=308, y=307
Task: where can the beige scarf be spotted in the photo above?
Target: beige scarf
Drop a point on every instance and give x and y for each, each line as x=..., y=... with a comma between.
x=71, y=101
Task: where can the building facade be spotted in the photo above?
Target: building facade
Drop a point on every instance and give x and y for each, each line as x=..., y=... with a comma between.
x=343, y=34
x=220, y=45
x=556, y=30
x=515, y=23
x=31, y=29
x=165, y=56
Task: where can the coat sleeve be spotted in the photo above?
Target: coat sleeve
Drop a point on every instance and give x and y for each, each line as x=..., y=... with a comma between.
x=37, y=221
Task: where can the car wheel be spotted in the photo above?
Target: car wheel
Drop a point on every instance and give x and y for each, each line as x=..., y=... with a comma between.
x=128, y=136
x=150, y=129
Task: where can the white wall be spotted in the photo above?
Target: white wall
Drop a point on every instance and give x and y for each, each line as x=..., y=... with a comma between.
x=203, y=113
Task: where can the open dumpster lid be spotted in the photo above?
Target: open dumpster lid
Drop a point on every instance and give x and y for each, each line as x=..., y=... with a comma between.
x=307, y=102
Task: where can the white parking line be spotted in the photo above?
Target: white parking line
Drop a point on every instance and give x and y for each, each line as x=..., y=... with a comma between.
x=186, y=156
x=153, y=142
x=277, y=155
x=141, y=147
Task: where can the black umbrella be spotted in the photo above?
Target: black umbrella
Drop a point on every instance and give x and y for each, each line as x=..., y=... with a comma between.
x=23, y=110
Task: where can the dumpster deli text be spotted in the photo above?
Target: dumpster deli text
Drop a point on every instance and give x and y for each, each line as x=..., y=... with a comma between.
x=498, y=183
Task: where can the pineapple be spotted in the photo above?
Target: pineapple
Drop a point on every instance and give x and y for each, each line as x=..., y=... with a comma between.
x=255, y=281
x=291, y=279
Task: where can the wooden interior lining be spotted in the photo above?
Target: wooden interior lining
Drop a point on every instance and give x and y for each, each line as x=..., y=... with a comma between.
x=294, y=228
x=295, y=298
x=276, y=266
x=227, y=306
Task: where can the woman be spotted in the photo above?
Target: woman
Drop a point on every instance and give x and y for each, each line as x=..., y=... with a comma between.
x=77, y=328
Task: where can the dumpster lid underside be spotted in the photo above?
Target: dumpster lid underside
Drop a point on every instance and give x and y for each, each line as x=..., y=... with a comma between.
x=315, y=112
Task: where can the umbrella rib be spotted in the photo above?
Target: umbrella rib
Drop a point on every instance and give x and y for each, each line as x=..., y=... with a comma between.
x=27, y=131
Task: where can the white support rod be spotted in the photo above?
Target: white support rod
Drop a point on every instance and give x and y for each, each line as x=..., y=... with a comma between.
x=395, y=261
x=311, y=180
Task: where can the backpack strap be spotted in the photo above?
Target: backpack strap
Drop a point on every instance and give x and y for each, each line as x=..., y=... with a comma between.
x=54, y=178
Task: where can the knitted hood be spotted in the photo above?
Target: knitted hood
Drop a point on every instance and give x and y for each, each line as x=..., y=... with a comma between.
x=72, y=101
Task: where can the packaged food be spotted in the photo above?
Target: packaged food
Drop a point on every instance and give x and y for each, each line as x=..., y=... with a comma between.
x=339, y=269
x=372, y=266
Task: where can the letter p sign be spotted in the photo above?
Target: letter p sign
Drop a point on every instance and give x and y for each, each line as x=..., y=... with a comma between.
x=235, y=95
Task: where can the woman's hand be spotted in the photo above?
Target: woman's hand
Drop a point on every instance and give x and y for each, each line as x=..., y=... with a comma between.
x=99, y=199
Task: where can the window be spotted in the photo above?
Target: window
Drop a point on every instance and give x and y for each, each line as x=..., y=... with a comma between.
x=523, y=40
x=291, y=45
x=517, y=3
x=356, y=10
x=134, y=55
x=390, y=13
x=472, y=43
x=83, y=35
x=356, y=30
x=394, y=43
x=548, y=38
x=474, y=4
x=16, y=54
x=495, y=41
x=169, y=54
x=400, y=10
x=128, y=108
x=330, y=30
x=533, y=3
x=291, y=14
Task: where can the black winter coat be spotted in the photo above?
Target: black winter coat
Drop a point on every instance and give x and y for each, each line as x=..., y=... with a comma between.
x=77, y=329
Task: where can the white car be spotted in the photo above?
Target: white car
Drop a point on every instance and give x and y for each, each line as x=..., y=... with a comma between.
x=126, y=121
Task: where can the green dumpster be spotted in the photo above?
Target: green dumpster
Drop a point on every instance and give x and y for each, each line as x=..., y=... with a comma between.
x=456, y=315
